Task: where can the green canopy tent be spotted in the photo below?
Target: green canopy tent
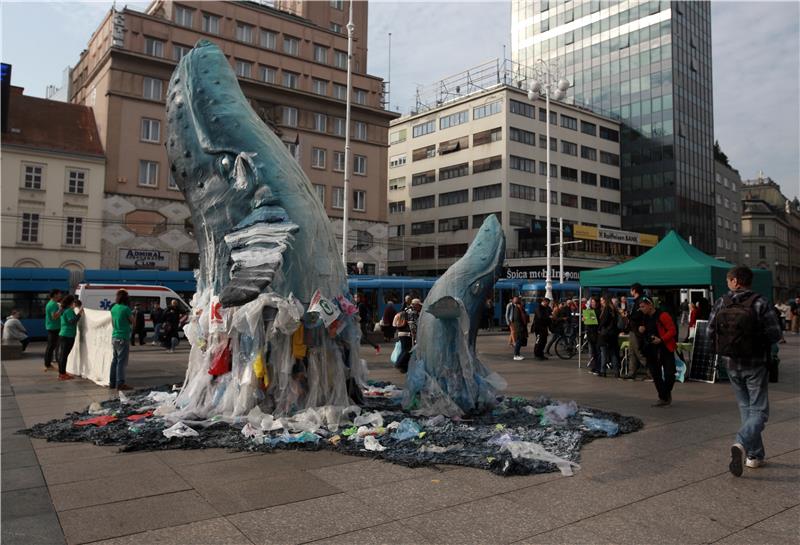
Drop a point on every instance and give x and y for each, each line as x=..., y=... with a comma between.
x=673, y=263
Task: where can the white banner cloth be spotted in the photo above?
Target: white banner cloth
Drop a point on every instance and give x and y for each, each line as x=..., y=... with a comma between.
x=91, y=356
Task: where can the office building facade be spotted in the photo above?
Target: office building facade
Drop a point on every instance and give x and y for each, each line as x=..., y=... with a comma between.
x=728, y=196
x=292, y=68
x=648, y=64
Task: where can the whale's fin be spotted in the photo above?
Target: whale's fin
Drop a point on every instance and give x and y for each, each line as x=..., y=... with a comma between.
x=257, y=245
x=445, y=308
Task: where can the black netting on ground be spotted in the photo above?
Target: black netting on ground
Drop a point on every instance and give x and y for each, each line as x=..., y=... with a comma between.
x=499, y=441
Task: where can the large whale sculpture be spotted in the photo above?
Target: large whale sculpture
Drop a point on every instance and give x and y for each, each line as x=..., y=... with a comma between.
x=445, y=375
x=266, y=247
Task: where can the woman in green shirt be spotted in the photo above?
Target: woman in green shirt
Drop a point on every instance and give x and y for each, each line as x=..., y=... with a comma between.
x=71, y=312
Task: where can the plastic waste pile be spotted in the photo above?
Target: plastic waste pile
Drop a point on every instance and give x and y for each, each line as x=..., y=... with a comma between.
x=517, y=437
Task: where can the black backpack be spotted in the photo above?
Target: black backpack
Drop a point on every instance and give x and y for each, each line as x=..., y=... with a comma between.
x=738, y=329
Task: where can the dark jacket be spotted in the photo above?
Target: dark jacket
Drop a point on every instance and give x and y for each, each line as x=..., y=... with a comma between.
x=635, y=317
x=172, y=320
x=138, y=324
x=607, y=331
x=157, y=316
x=541, y=319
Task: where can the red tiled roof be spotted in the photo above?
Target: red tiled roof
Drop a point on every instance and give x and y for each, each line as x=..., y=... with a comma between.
x=51, y=125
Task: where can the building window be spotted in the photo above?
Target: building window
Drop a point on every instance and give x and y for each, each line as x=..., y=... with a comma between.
x=269, y=74
x=524, y=192
x=293, y=149
x=188, y=261
x=454, y=145
x=609, y=158
x=172, y=184
x=569, y=148
x=423, y=129
x=609, y=134
x=359, y=200
x=360, y=165
x=489, y=163
x=291, y=80
x=336, y=27
x=244, y=69
x=487, y=109
x=719, y=221
x=291, y=46
x=523, y=109
x=609, y=183
x=33, y=177
x=340, y=59
x=453, y=224
x=397, y=160
x=588, y=178
x=398, y=136
x=518, y=219
x=478, y=219
x=588, y=153
x=422, y=252
x=153, y=47
x=397, y=207
x=588, y=128
x=453, y=197
x=337, y=4
x=360, y=130
x=569, y=174
x=569, y=122
x=321, y=54
x=727, y=202
x=339, y=91
x=762, y=230
x=180, y=51
x=151, y=130
x=455, y=171
x=210, y=23
x=553, y=196
x=148, y=173
x=319, y=86
x=608, y=207
x=244, y=33
x=762, y=252
x=523, y=164
x=543, y=116
x=735, y=226
x=183, y=16
x=422, y=203
x=337, y=198
x=397, y=231
x=268, y=39
x=76, y=181
x=487, y=192
x=152, y=88
x=422, y=178
x=318, y=157
x=588, y=203
x=569, y=200
x=319, y=189
x=320, y=122
x=338, y=126
x=397, y=183
x=423, y=153
x=453, y=120
x=30, y=227
x=338, y=161
x=289, y=116
x=359, y=96
x=522, y=136
x=73, y=235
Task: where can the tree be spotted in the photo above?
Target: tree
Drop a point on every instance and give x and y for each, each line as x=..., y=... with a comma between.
x=720, y=156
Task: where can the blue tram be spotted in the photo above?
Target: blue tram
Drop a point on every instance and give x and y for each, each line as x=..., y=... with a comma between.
x=28, y=290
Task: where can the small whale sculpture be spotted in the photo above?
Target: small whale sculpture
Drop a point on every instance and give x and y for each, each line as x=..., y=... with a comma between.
x=266, y=249
x=445, y=375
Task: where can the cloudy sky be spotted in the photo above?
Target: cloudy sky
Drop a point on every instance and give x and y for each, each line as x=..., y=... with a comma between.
x=756, y=48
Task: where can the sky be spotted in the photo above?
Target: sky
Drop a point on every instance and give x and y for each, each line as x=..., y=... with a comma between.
x=756, y=57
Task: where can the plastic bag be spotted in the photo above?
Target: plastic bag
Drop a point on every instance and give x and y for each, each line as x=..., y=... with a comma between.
x=558, y=413
x=180, y=430
x=369, y=419
x=308, y=420
x=601, y=424
x=251, y=431
x=370, y=443
x=396, y=353
x=407, y=429
x=221, y=364
x=535, y=451
x=680, y=369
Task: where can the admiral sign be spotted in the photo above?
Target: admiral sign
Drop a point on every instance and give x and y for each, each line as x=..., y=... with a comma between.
x=143, y=259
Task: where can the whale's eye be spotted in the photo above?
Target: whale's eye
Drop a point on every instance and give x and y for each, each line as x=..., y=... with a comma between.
x=476, y=288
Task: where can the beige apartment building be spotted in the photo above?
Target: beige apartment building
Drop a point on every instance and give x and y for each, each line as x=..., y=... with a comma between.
x=485, y=153
x=291, y=64
x=53, y=171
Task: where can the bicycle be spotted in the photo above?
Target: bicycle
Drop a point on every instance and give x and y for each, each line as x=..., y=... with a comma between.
x=567, y=346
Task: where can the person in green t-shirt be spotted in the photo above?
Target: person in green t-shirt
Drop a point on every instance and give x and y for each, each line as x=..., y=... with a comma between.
x=121, y=320
x=71, y=312
x=52, y=323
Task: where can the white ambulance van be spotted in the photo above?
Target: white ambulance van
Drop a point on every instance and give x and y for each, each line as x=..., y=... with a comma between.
x=102, y=296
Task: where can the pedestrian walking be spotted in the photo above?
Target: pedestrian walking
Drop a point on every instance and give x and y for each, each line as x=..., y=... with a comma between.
x=365, y=319
x=157, y=317
x=590, y=320
x=559, y=320
x=608, y=337
x=541, y=327
x=519, y=327
x=52, y=323
x=403, y=329
x=794, y=311
x=171, y=327
x=660, y=340
x=636, y=357
x=138, y=325
x=14, y=332
x=386, y=321
x=71, y=312
x=122, y=320
x=412, y=317
x=685, y=312
x=744, y=328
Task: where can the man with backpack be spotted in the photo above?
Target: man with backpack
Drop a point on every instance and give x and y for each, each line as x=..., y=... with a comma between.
x=744, y=328
x=541, y=327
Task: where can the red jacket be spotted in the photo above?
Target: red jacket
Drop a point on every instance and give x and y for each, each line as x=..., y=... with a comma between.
x=667, y=331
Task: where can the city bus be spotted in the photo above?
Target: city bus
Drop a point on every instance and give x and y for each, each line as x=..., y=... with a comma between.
x=28, y=290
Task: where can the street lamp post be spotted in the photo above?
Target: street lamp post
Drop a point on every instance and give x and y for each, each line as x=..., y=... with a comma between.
x=548, y=80
x=348, y=163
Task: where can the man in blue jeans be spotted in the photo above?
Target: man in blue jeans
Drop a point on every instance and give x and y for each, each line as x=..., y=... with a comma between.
x=122, y=319
x=744, y=326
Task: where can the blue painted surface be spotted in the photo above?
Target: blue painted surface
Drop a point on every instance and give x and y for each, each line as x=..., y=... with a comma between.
x=28, y=289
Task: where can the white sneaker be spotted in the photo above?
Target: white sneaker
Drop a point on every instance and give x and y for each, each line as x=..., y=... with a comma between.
x=518, y=358
x=754, y=462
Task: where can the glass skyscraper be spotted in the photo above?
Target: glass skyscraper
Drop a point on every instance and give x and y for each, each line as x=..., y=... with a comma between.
x=648, y=64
